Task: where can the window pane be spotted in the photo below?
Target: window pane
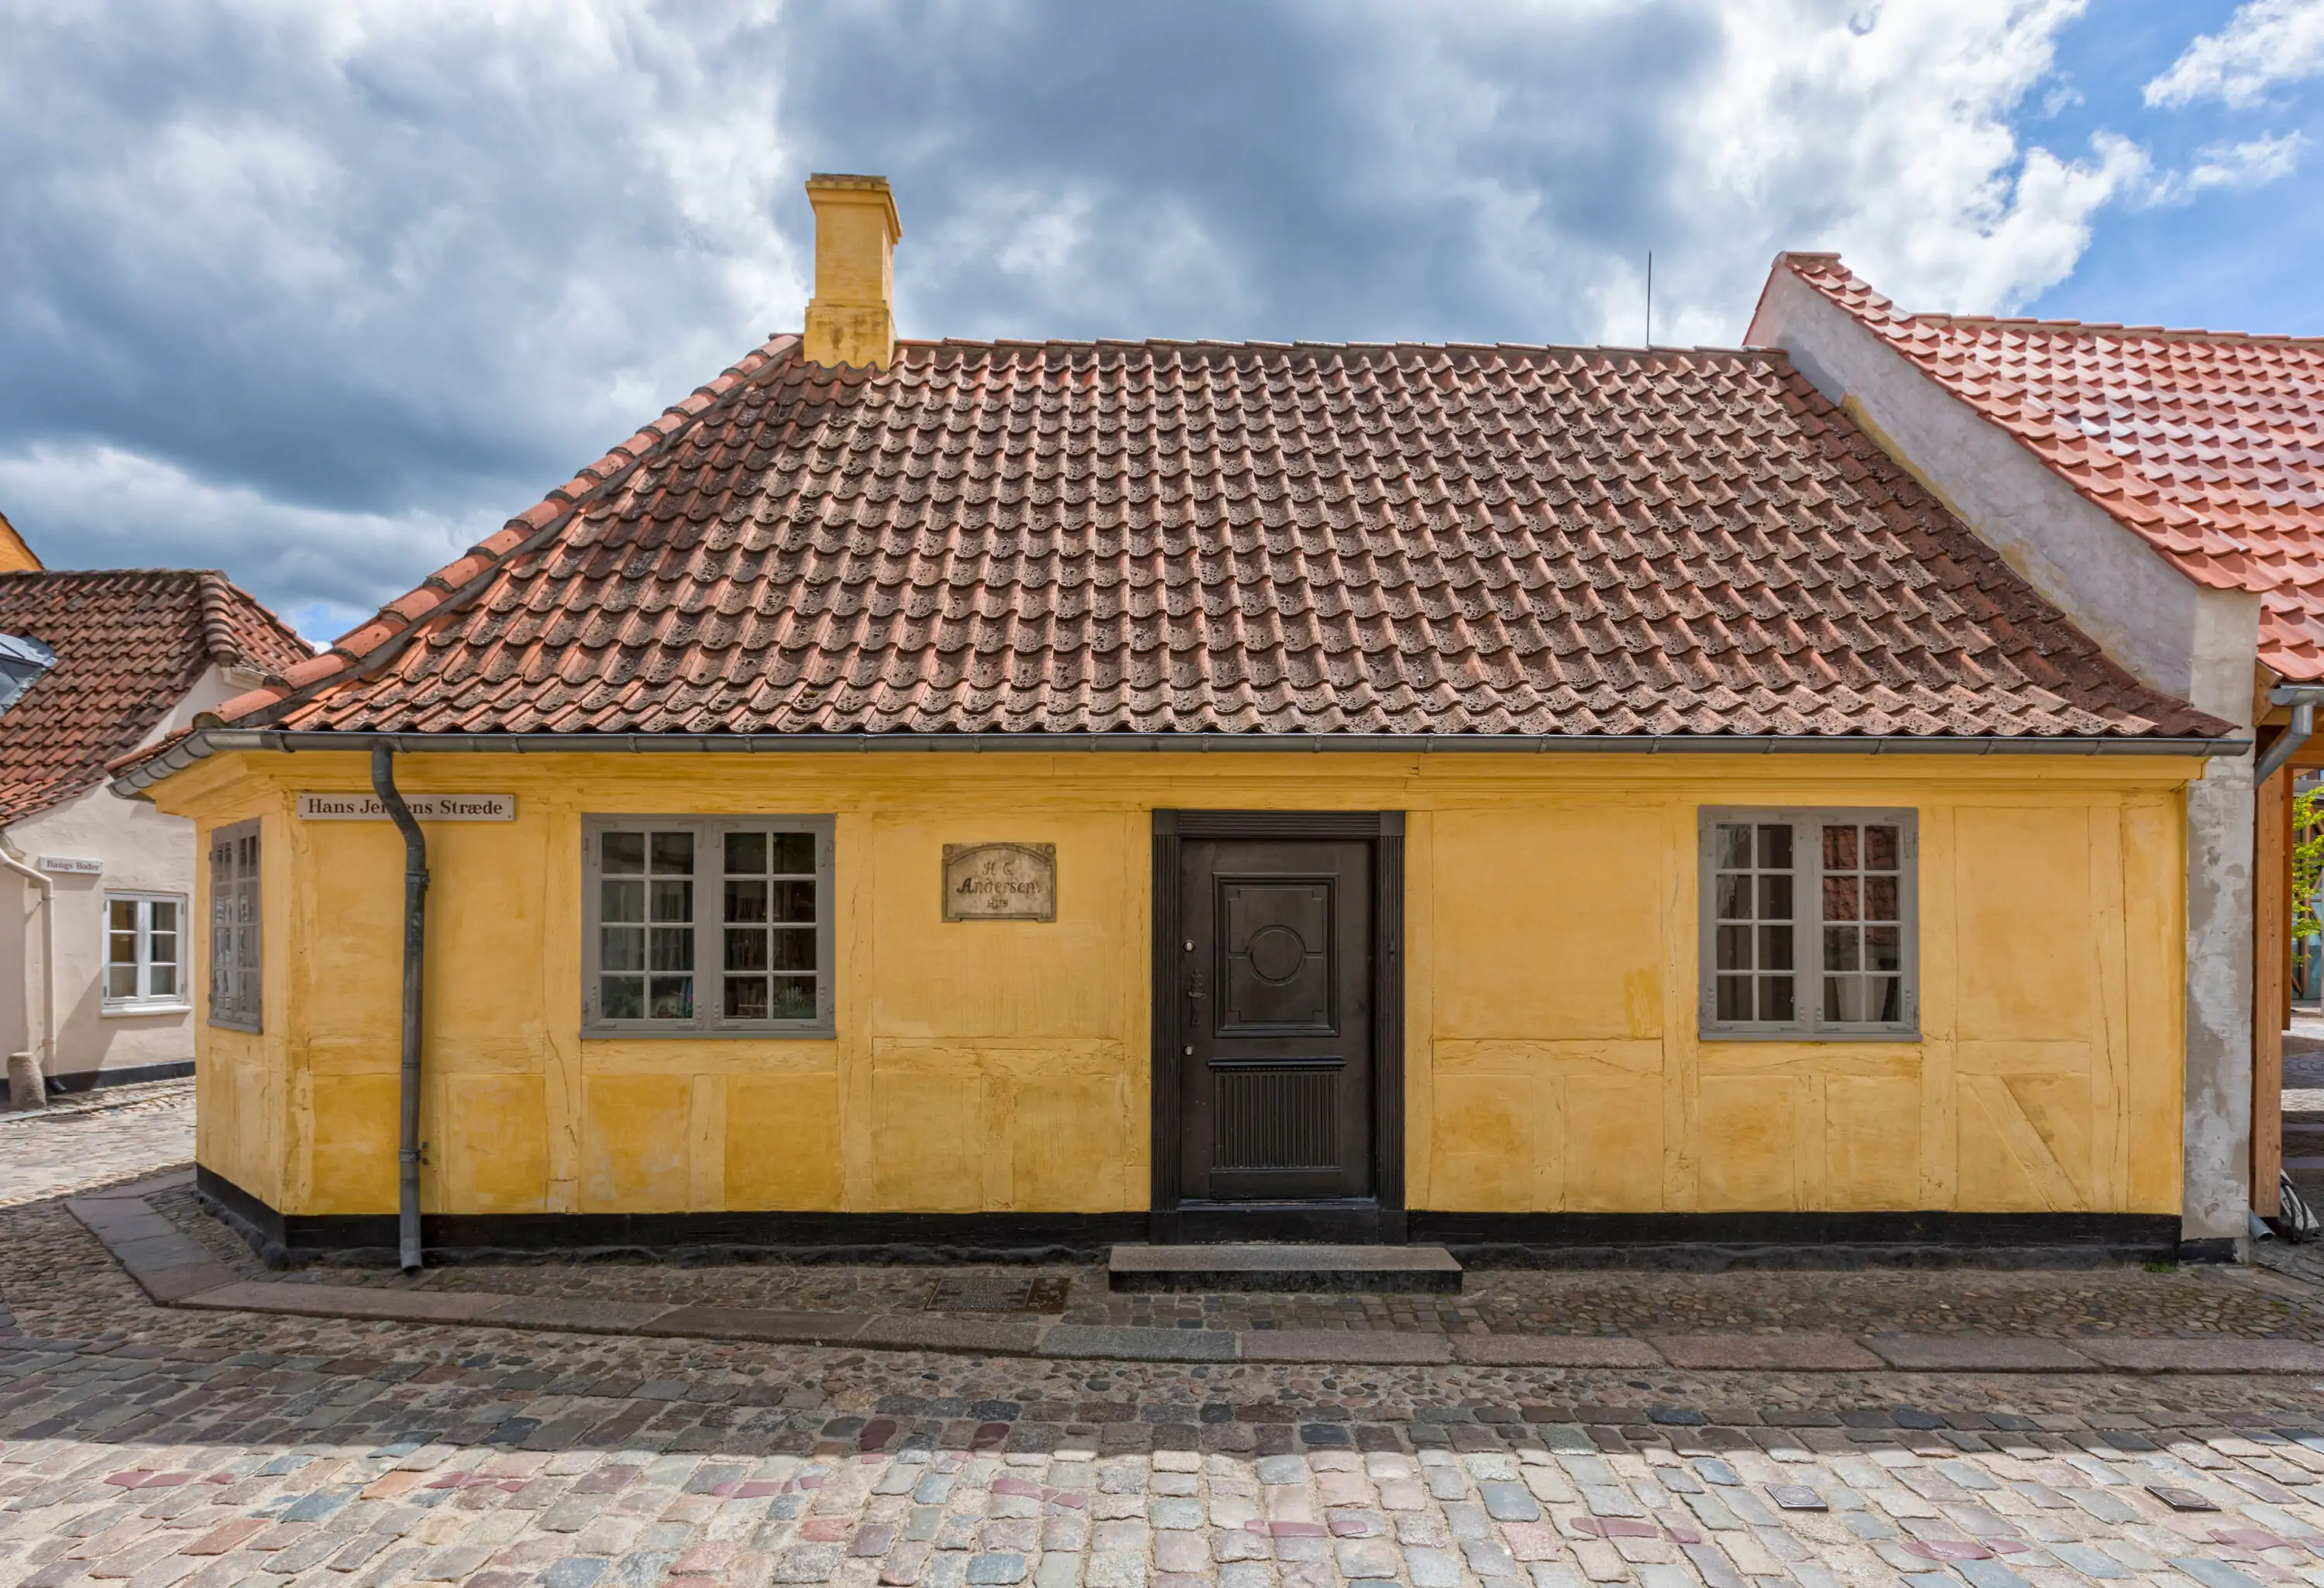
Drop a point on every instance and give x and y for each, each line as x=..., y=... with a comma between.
x=1775, y=899
x=794, y=854
x=120, y=981
x=673, y=851
x=164, y=978
x=622, y=948
x=794, y=901
x=1734, y=898
x=672, y=900
x=620, y=900
x=121, y=914
x=672, y=948
x=621, y=998
x=1884, y=948
x=746, y=997
x=1880, y=898
x=1775, y=948
x=1734, y=948
x=746, y=949
x=1776, y=845
x=1840, y=849
x=746, y=900
x=794, y=951
x=165, y=915
x=1840, y=949
x=1889, y=994
x=623, y=852
x=1841, y=1000
x=746, y=855
x=1734, y=998
x=1839, y=901
x=121, y=948
x=794, y=999
x=1733, y=847
x=671, y=998
x=161, y=948
x=1775, y=998
x=1880, y=849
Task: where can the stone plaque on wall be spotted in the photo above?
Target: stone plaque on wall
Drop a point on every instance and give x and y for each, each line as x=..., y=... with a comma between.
x=1001, y=882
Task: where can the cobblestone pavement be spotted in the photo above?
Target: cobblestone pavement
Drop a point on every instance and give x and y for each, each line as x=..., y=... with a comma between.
x=143, y=1445
x=95, y=1139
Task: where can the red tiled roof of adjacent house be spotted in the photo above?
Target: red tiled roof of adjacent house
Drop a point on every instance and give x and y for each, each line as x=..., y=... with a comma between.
x=129, y=644
x=2209, y=443
x=1251, y=538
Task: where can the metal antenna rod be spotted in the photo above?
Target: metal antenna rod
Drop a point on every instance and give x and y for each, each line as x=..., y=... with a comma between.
x=1650, y=298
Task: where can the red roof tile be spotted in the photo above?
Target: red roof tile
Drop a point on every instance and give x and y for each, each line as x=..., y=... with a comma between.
x=1164, y=538
x=129, y=644
x=2209, y=443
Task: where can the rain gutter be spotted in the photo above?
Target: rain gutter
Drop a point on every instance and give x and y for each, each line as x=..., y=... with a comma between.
x=2303, y=699
x=415, y=970
x=208, y=741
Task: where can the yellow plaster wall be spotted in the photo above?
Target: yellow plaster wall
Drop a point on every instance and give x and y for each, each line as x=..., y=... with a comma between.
x=1551, y=1058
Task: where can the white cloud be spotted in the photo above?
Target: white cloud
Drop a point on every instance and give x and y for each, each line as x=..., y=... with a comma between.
x=2264, y=42
x=98, y=506
x=2253, y=163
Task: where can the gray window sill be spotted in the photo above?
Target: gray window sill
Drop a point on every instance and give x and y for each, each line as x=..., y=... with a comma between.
x=1823, y=1035
x=721, y=1034
x=122, y=1012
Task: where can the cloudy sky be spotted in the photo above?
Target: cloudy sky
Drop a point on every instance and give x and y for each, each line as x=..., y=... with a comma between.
x=319, y=291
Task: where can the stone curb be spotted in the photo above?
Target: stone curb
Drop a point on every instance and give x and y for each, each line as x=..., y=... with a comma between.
x=175, y=1270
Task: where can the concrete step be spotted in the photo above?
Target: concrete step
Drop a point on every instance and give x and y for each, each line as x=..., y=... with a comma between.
x=1270, y=1267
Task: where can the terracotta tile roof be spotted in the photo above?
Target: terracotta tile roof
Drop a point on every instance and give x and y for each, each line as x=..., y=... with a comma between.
x=129, y=645
x=1164, y=538
x=2209, y=443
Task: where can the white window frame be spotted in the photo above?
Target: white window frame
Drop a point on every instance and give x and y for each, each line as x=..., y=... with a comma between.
x=237, y=862
x=144, y=1000
x=709, y=840
x=1808, y=1024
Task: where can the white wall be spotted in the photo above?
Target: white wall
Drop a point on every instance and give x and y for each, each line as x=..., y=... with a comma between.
x=143, y=851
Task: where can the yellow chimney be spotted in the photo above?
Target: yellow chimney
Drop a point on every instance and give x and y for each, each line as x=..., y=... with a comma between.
x=850, y=319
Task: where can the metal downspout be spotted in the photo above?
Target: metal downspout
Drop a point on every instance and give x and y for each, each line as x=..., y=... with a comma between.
x=415, y=966
x=44, y=1064
x=2303, y=699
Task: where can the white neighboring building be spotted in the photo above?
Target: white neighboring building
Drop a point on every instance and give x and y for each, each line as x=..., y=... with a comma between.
x=94, y=665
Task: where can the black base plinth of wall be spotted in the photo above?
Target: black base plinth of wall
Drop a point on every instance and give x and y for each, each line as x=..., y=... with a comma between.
x=1704, y=1241
x=290, y=1239
x=1707, y=1241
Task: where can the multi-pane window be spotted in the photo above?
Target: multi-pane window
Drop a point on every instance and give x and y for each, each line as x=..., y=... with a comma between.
x=234, y=909
x=145, y=951
x=703, y=926
x=1808, y=923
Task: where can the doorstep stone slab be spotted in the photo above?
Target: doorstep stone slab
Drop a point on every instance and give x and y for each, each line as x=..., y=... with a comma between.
x=1810, y=1353
x=2204, y=1356
x=746, y=1323
x=1131, y=1343
x=570, y=1314
x=1289, y=1266
x=1555, y=1351
x=1370, y=1347
x=1977, y=1354
x=919, y=1332
x=346, y=1301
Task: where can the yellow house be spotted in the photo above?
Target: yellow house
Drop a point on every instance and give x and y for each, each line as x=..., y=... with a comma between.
x=1013, y=796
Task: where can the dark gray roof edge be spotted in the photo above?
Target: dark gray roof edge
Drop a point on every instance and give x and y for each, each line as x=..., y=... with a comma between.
x=206, y=742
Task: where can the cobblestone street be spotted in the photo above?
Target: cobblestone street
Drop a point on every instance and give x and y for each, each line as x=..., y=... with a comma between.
x=147, y=1446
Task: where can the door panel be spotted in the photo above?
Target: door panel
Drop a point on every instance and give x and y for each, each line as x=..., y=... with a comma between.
x=1275, y=978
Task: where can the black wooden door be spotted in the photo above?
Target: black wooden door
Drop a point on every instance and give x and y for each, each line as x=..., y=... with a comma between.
x=1275, y=980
